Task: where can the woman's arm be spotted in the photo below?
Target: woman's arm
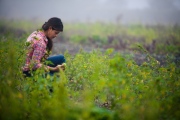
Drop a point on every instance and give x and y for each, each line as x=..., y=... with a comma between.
x=38, y=54
x=57, y=68
x=54, y=69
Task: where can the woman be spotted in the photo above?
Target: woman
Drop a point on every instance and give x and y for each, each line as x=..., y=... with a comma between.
x=39, y=45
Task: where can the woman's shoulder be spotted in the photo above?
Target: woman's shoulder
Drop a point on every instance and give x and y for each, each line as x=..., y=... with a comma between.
x=36, y=35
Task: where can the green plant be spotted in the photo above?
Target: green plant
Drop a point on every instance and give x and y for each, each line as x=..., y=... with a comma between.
x=95, y=85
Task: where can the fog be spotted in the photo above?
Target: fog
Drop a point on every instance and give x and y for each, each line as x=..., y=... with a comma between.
x=119, y=11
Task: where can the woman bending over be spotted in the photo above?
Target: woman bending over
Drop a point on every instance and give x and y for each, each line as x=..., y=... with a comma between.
x=39, y=46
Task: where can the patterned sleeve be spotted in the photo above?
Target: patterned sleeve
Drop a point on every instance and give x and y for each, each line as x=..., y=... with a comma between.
x=38, y=54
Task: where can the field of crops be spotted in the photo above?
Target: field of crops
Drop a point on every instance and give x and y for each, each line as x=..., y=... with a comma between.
x=102, y=80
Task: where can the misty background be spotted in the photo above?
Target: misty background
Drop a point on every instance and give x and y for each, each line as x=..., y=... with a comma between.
x=118, y=11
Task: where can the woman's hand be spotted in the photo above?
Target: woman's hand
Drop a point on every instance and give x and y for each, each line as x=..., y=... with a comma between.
x=55, y=69
x=61, y=67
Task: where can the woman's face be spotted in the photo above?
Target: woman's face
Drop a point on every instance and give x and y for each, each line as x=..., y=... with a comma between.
x=51, y=33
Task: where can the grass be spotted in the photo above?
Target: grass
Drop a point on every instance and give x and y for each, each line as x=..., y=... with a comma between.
x=95, y=85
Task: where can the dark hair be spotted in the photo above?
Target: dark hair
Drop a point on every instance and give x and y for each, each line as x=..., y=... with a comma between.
x=56, y=24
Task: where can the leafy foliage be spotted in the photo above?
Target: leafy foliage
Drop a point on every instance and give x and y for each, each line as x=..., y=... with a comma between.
x=148, y=91
x=95, y=85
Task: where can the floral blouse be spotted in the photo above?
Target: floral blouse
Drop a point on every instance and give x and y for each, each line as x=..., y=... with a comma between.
x=36, y=50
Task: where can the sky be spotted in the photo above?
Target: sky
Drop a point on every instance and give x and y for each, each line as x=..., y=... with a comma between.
x=121, y=11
